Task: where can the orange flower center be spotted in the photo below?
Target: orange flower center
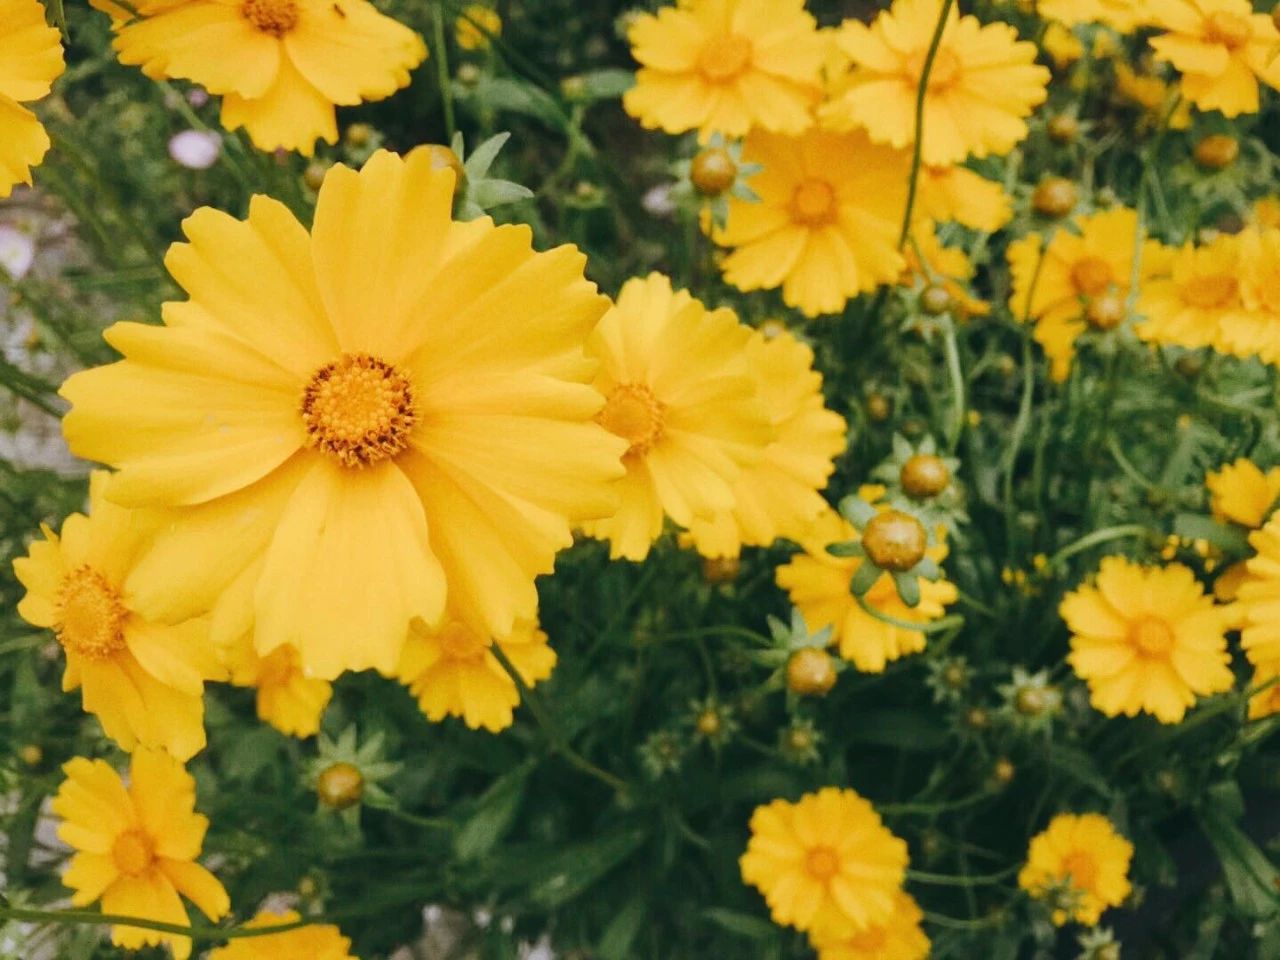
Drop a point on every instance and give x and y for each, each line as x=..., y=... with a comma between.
x=1091, y=276
x=822, y=863
x=90, y=616
x=1209, y=292
x=1228, y=29
x=1081, y=869
x=459, y=643
x=1152, y=636
x=724, y=58
x=635, y=414
x=944, y=74
x=358, y=410
x=133, y=853
x=276, y=17
x=813, y=203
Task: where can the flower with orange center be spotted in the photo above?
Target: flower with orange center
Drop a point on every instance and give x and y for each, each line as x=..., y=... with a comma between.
x=825, y=864
x=983, y=84
x=142, y=678
x=944, y=269
x=726, y=66
x=678, y=391
x=316, y=941
x=1201, y=295
x=136, y=846
x=337, y=449
x=900, y=937
x=30, y=60
x=280, y=66
x=1147, y=640
x=1241, y=493
x=1255, y=331
x=1081, y=863
x=1222, y=49
x=286, y=698
x=826, y=226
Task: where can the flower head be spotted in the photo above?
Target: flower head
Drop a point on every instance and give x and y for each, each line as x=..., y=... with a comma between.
x=952, y=193
x=287, y=698
x=726, y=66
x=900, y=937
x=1147, y=639
x=1201, y=294
x=1241, y=493
x=1081, y=864
x=30, y=60
x=1259, y=597
x=136, y=846
x=825, y=864
x=347, y=446
x=1255, y=331
x=476, y=24
x=319, y=941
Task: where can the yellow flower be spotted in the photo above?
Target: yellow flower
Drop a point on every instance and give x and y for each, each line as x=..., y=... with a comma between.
x=468, y=28
x=1123, y=15
x=1222, y=49
x=1265, y=212
x=1259, y=597
x=898, y=938
x=929, y=262
x=30, y=60
x=143, y=679
x=1256, y=331
x=1062, y=45
x=983, y=84
x=287, y=698
x=1083, y=855
x=818, y=585
x=826, y=227
x=315, y=942
x=280, y=66
x=956, y=193
x=1083, y=281
x=345, y=445
x=825, y=864
x=453, y=672
x=678, y=391
x=726, y=66
x=1241, y=493
x=136, y=847
x=1189, y=307
x=1266, y=703
x=778, y=497
x=1147, y=639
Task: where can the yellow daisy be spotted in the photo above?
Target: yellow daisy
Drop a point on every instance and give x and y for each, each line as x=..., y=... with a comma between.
x=953, y=193
x=1122, y=15
x=678, y=391
x=1082, y=864
x=372, y=437
x=142, y=679
x=898, y=938
x=1147, y=640
x=1266, y=703
x=1241, y=493
x=825, y=864
x=826, y=227
x=932, y=264
x=1062, y=45
x=1202, y=292
x=726, y=66
x=468, y=30
x=1259, y=597
x=280, y=66
x=30, y=60
x=1222, y=49
x=778, y=497
x=319, y=941
x=983, y=85
x=136, y=846
x=818, y=586
x=453, y=672
x=1256, y=331
x=287, y=699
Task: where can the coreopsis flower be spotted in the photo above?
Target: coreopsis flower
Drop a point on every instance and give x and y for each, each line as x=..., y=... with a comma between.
x=346, y=446
x=318, y=941
x=726, y=66
x=286, y=697
x=142, y=678
x=1255, y=332
x=1267, y=702
x=1062, y=45
x=476, y=24
x=1189, y=307
x=1241, y=493
x=1083, y=282
x=826, y=864
x=678, y=392
x=983, y=85
x=1080, y=864
x=827, y=223
x=1222, y=49
x=136, y=847
x=900, y=937
x=30, y=60
x=1122, y=15
x=1259, y=597
x=280, y=66
x=947, y=269
x=778, y=497
x=1161, y=101
x=1147, y=640
x=453, y=672
x=818, y=584
x=952, y=193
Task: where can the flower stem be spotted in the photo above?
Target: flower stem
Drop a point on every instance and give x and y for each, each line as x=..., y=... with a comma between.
x=442, y=70
x=923, y=89
x=1105, y=535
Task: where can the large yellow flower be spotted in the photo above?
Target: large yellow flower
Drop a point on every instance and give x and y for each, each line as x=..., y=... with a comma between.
x=983, y=84
x=778, y=497
x=1147, y=639
x=898, y=938
x=1241, y=493
x=453, y=671
x=136, y=846
x=726, y=66
x=319, y=941
x=345, y=426
x=825, y=864
x=678, y=392
x=1082, y=864
x=287, y=698
x=280, y=66
x=1222, y=48
x=826, y=227
x=818, y=585
x=30, y=60
x=143, y=679
x=1255, y=332
x=1202, y=293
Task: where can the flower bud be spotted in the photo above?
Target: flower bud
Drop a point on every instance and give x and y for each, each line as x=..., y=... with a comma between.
x=1217, y=151
x=924, y=476
x=713, y=171
x=1054, y=197
x=1063, y=128
x=894, y=540
x=340, y=786
x=811, y=672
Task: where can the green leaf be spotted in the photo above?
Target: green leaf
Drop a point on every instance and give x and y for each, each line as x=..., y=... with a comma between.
x=615, y=943
x=1252, y=879
x=495, y=811
x=908, y=585
x=741, y=924
x=902, y=728
x=514, y=96
x=601, y=84
x=481, y=159
x=864, y=578
x=846, y=548
x=1079, y=766
x=570, y=871
x=487, y=194
x=1194, y=526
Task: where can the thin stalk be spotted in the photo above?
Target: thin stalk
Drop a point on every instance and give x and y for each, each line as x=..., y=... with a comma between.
x=1105, y=535
x=921, y=91
x=442, y=70
x=936, y=626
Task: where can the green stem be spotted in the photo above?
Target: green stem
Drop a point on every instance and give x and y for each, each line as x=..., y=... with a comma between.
x=956, y=373
x=948, y=880
x=1105, y=535
x=918, y=152
x=89, y=917
x=442, y=69
x=936, y=626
